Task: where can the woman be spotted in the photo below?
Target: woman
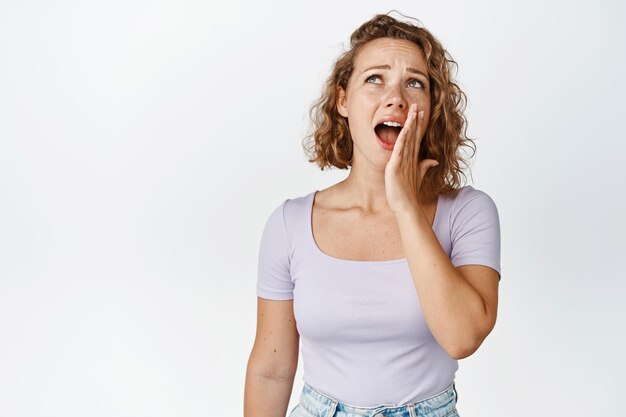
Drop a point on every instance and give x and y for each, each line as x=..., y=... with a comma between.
x=390, y=276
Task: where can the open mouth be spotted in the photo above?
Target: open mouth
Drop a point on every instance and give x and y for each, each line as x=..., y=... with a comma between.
x=387, y=134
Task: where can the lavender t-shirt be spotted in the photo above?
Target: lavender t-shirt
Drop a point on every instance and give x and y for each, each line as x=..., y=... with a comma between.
x=364, y=338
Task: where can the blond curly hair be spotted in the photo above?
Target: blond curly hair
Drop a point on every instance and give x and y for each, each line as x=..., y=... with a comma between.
x=330, y=144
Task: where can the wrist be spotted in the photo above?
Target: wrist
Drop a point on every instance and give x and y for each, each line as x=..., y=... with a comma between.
x=411, y=210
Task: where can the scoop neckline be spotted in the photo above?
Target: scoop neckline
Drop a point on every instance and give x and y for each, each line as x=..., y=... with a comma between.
x=373, y=262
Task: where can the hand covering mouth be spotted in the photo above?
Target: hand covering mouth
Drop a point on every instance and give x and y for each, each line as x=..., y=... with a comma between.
x=388, y=134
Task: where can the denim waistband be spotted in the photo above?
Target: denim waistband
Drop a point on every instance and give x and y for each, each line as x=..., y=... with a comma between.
x=321, y=405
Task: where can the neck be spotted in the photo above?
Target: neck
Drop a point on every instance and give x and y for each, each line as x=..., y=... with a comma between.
x=367, y=191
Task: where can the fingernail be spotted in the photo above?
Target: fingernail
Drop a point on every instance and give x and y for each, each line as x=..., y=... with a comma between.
x=421, y=114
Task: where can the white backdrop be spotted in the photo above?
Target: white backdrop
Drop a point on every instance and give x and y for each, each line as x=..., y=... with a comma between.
x=143, y=144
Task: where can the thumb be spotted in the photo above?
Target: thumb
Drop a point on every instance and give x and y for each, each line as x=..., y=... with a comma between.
x=428, y=163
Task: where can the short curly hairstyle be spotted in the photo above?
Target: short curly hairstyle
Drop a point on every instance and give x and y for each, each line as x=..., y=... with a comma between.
x=330, y=144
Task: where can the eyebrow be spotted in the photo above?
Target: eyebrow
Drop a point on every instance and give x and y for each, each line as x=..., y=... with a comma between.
x=413, y=70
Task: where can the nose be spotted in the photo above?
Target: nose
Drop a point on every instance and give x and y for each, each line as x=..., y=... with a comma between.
x=396, y=98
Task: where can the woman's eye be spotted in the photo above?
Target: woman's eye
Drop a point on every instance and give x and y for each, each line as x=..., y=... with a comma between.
x=370, y=77
x=419, y=83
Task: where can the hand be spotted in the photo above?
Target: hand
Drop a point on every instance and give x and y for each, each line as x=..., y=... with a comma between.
x=404, y=173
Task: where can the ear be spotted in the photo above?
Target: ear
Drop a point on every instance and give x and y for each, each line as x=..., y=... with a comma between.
x=341, y=102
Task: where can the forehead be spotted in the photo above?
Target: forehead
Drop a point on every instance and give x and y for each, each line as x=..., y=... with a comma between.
x=392, y=52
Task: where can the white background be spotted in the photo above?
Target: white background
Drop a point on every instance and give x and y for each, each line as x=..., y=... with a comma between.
x=143, y=144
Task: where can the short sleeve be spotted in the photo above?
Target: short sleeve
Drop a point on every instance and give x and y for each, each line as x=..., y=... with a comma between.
x=475, y=230
x=274, y=277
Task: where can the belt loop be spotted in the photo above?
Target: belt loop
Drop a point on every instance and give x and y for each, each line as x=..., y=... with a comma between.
x=455, y=393
x=331, y=411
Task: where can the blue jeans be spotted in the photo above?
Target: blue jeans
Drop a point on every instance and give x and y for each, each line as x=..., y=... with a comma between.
x=315, y=404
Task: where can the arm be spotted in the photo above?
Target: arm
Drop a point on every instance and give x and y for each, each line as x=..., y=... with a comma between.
x=459, y=304
x=273, y=361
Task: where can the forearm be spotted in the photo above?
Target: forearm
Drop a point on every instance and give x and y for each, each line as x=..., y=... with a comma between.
x=266, y=396
x=453, y=309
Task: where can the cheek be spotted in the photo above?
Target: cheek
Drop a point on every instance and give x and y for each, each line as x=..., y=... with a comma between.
x=424, y=104
x=365, y=97
x=362, y=104
x=423, y=98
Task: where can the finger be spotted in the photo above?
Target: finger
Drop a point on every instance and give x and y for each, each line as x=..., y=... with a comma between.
x=424, y=167
x=396, y=153
x=419, y=130
x=408, y=160
x=408, y=130
x=398, y=149
x=416, y=167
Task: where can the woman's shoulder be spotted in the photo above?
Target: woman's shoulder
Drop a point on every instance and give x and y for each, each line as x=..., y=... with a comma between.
x=286, y=218
x=298, y=202
x=465, y=194
x=293, y=207
x=293, y=202
x=468, y=201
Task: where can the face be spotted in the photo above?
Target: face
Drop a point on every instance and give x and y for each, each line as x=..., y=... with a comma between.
x=387, y=91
